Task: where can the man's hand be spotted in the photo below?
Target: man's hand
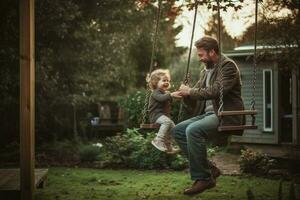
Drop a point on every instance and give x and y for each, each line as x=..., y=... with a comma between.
x=184, y=90
x=176, y=94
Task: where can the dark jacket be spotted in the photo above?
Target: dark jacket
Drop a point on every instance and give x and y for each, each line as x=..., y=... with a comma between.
x=159, y=104
x=232, y=100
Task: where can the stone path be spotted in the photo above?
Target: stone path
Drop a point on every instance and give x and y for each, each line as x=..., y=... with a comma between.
x=227, y=163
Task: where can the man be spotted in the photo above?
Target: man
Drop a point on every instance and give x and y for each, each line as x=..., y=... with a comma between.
x=203, y=99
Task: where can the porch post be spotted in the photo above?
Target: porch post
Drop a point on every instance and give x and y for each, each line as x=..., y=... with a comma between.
x=295, y=106
x=27, y=95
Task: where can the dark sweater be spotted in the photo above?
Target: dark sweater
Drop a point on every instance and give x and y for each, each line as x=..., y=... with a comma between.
x=159, y=104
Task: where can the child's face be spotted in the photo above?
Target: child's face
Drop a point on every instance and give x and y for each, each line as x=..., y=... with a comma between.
x=164, y=83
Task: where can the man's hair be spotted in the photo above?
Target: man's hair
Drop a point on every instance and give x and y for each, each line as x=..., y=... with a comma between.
x=208, y=43
x=155, y=76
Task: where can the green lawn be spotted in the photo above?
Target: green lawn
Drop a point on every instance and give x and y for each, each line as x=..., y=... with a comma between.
x=85, y=184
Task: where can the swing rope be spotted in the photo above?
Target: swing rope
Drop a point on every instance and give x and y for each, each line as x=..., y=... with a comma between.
x=153, y=54
x=186, y=80
x=252, y=111
x=219, y=61
x=254, y=63
x=254, y=58
x=155, y=37
x=186, y=77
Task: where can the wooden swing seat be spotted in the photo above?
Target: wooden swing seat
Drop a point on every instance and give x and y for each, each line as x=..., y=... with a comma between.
x=236, y=128
x=237, y=112
x=149, y=126
x=240, y=127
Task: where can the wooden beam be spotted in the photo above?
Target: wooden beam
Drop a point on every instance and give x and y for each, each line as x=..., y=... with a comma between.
x=27, y=95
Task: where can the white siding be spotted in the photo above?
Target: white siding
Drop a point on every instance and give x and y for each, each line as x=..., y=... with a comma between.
x=247, y=91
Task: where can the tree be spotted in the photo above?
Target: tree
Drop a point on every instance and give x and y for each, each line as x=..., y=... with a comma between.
x=9, y=70
x=279, y=32
x=227, y=42
x=211, y=4
x=85, y=47
x=86, y=51
x=166, y=49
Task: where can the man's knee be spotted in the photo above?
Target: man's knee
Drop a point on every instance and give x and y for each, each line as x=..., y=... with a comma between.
x=176, y=131
x=194, y=132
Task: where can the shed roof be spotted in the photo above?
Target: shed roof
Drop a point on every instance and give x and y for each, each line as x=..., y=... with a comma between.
x=248, y=50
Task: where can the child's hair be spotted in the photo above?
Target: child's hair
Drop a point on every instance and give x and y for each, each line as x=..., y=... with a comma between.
x=155, y=76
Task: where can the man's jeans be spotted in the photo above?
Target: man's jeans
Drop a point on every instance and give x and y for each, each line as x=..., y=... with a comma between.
x=191, y=136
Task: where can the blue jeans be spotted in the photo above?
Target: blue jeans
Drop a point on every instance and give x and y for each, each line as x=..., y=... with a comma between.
x=191, y=136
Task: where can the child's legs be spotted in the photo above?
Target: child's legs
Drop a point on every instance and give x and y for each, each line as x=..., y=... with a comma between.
x=166, y=124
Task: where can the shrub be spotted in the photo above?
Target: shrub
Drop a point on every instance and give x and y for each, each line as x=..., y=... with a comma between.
x=10, y=152
x=134, y=150
x=119, y=148
x=89, y=152
x=133, y=105
x=148, y=157
x=58, y=153
x=179, y=163
x=212, y=150
x=255, y=162
x=66, y=150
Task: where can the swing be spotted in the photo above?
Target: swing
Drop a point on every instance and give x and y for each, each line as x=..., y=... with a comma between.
x=221, y=112
x=144, y=125
x=252, y=111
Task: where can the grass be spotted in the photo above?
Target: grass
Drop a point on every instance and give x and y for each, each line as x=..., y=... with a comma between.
x=96, y=184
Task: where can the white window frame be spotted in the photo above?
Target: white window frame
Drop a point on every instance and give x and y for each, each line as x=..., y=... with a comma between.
x=267, y=129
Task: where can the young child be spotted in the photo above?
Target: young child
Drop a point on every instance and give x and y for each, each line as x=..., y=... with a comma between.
x=159, y=109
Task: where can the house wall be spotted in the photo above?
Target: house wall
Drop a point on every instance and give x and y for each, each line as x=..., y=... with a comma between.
x=246, y=68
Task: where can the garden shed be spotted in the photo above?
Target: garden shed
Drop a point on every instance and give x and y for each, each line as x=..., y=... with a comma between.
x=277, y=97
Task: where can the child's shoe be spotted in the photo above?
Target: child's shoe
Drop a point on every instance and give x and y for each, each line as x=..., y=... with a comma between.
x=159, y=143
x=170, y=148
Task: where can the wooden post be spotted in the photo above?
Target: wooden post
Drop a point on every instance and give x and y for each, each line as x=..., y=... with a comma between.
x=27, y=95
x=294, y=106
x=298, y=107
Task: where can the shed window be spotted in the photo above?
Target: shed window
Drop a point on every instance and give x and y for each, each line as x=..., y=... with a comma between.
x=268, y=99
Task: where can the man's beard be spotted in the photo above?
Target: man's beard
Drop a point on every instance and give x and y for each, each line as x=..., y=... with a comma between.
x=209, y=64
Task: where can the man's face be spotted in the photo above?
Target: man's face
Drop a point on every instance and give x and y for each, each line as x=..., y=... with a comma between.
x=164, y=83
x=205, y=57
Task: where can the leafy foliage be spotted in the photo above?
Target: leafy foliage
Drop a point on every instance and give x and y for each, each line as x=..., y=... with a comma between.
x=226, y=40
x=63, y=152
x=85, y=52
x=256, y=163
x=175, y=10
x=285, y=32
x=133, y=105
x=9, y=70
x=89, y=152
x=136, y=151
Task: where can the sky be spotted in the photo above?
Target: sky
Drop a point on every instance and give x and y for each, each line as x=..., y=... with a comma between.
x=235, y=22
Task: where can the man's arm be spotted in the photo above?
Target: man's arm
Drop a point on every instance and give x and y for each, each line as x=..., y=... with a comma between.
x=229, y=78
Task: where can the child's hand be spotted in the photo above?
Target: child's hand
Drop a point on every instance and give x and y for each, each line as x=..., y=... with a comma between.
x=176, y=94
